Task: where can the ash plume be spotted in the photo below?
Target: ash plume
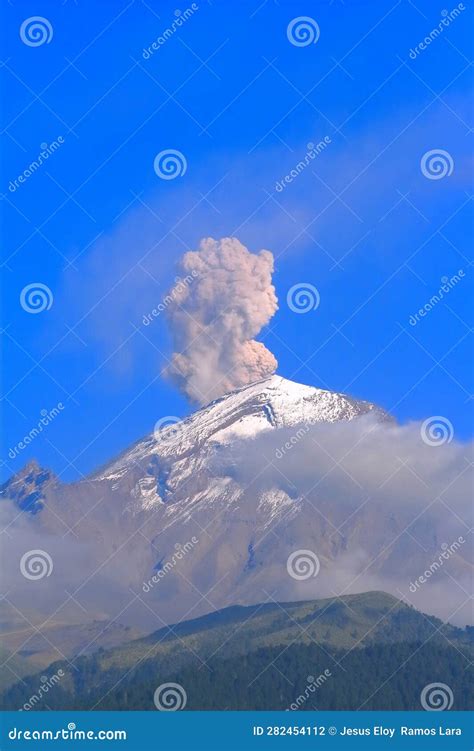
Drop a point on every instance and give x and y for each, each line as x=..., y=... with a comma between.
x=215, y=318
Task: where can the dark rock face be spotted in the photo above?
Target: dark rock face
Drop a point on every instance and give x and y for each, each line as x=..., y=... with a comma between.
x=28, y=488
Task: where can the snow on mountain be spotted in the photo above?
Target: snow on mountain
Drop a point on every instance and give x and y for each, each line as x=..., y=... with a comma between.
x=274, y=402
x=172, y=528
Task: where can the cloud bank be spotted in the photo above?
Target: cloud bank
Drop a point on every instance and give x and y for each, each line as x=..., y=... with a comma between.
x=214, y=320
x=379, y=506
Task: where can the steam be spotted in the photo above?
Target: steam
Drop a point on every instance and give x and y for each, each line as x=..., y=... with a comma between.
x=215, y=318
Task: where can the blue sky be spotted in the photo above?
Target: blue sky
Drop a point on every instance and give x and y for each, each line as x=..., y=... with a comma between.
x=228, y=89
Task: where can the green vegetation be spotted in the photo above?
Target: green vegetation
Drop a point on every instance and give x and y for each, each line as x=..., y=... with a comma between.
x=379, y=651
x=13, y=668
x=380, y=677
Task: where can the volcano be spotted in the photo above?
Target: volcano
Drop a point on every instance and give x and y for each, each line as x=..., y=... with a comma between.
x=215, y=510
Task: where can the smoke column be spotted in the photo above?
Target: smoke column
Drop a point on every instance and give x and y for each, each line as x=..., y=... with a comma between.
x=215, y=317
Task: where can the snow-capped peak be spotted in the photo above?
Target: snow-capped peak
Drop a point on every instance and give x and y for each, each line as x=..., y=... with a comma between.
x=271, y=403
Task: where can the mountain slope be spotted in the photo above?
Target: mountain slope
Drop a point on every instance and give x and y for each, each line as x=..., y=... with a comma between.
x=207, y=512
x=14, y=668
x=245, y=413
x=39, y=647
x=306, y=677
x=330, y=631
